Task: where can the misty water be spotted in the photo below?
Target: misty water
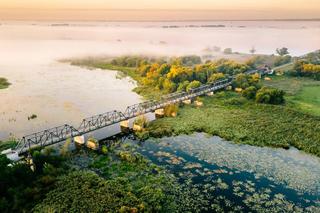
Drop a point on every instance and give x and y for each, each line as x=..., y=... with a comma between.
x=59, y=93
x=221, y=172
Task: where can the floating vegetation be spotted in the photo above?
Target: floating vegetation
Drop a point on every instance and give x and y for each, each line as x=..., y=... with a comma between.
x=290, y=167
x=226, y=177
x=33, y=116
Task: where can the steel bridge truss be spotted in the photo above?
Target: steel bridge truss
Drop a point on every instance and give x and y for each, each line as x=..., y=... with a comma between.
x=61, y=133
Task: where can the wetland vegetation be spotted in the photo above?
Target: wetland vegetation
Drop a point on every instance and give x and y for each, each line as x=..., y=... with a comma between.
x=4, y=83
x=185, y=170
x=228, y=114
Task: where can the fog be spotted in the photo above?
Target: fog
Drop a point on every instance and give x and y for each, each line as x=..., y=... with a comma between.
x=59, y=93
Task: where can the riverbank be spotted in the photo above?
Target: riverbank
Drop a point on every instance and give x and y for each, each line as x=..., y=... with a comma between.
x=147, y=92
x=234, y=118
x=4, y=83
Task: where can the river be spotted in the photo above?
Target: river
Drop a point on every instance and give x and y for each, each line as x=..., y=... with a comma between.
x=236, y=177
x=59, y=93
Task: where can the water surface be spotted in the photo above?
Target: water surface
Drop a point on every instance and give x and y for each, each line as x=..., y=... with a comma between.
x=58, y=93
x=240, y=177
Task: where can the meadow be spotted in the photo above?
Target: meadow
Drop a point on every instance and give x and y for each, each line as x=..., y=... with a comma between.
x=302, y=94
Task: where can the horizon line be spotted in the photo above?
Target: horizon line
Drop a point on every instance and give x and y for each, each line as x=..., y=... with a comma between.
x=173, y=20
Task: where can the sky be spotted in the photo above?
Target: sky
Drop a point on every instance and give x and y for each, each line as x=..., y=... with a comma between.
x=159, y=9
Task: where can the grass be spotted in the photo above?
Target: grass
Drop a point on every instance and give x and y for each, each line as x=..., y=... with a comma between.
x=234, y=118
x=303, y=94
x=4, y=83
x=307, y=100
x=7, y=145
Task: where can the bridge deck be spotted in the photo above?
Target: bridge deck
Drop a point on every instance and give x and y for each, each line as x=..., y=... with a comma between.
x=61, y=133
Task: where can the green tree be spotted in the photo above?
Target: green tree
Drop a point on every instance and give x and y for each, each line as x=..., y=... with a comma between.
x=268, y=95
x=250, y=92
x=183, y=86
x=193, y=85
x=282, y=51
x=169, y=86
x=227, y=51
x=216, y=77
x=253, y=50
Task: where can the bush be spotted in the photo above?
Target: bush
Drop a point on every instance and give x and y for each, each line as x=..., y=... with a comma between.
x=4, y=83
x=171, y=110
x=193, y=85
x=104, y=149
x=270, y=96
x=183, y=86
x=141, y=121
x=250, y=92
x=216, y=77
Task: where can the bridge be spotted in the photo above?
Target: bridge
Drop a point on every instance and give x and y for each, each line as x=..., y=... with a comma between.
x=62, y=133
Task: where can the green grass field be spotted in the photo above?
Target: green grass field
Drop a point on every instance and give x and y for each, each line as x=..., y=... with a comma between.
x=303, y=94
x=307, y=100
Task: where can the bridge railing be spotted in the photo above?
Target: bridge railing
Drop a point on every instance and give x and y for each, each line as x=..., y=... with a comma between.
x=61, y=133
x=46, y=137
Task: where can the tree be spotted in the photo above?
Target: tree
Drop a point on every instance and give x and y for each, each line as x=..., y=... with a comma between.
x=282, y=51
x=190, y=60
x=268, y=95
x=253, y=50
x=216, y=77
x=281, y=60
x=227, y=51
x=169, y=86
x=183, y=86
x=241, y=81
x=250, y=92
x=193, y=85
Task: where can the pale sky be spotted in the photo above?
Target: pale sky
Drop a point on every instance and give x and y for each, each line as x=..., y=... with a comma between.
x=219, y=9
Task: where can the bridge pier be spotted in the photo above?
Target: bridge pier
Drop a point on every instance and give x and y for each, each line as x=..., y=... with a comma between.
x=229, y=88
x=92, y=144
x=187, y=102
x=159, y=113
x=210, y=94
x=124, y=125
x=79, y=140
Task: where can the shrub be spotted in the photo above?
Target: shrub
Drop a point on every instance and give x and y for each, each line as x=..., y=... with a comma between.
x=141, y=121
x=216, y=77
x=171, y=110
x=183, y=86
x=104, y=149
x=4, y=83
x=193, y=85
x=250, y=92
x=270, y=96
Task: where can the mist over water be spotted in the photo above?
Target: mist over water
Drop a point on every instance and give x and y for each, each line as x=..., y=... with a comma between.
x=59, y=93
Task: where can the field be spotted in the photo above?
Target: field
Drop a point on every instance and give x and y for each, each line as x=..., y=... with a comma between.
x=308, y=100
x=303, y=94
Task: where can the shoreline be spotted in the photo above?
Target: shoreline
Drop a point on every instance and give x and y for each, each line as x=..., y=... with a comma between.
x=187, y=121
